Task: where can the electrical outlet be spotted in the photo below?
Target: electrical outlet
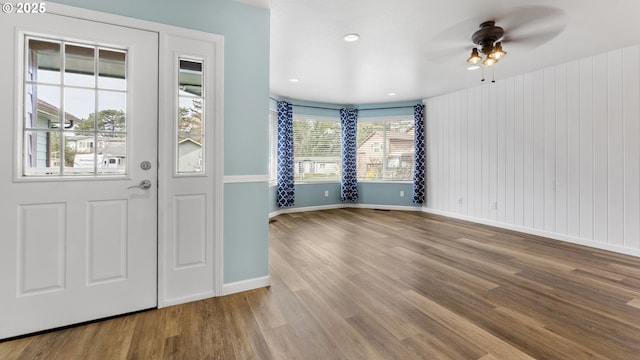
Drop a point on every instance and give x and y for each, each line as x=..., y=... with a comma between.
x=326, y=193
x=460, y=200
x=401, y=193
x=494, y=205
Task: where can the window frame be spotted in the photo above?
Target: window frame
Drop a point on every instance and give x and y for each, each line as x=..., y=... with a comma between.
x=335, y=119
x=19, y=123
x=386, y=119
x=178, y=57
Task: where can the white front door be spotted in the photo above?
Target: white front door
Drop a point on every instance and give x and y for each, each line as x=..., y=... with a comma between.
x=78, y=108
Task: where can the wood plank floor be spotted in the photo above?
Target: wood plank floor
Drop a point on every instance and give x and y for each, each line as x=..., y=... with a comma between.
x=367, y=284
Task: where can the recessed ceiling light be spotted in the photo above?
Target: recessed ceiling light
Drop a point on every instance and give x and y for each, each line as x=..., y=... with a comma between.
x=351, y=37
x=294, y=80
x=391, y=94
x=473, y=67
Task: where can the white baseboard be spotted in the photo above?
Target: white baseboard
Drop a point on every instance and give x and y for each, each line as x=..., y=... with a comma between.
x=386, y=207
x=342, y=206
x=245, y=285
x=186, y=299
x=307, y=208
x=547, y=234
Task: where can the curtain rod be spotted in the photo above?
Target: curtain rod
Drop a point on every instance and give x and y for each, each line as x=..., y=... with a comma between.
x=328, y=108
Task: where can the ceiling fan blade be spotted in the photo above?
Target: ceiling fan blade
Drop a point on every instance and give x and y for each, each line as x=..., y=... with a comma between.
x=458, y=34
x=531, y=41
x=452, y=42
x=531, y=18
x=526, y=20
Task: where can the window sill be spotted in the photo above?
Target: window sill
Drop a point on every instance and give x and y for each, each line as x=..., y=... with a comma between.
x=317, y=182
x=385, y=181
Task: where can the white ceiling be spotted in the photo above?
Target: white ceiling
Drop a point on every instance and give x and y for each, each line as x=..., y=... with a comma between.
x=418, y=48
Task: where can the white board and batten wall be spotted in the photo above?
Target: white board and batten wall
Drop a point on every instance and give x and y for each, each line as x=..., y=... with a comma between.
x=554, y=152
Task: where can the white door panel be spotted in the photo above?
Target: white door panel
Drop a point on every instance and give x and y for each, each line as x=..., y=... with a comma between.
x=188, y=197
x=78, y=248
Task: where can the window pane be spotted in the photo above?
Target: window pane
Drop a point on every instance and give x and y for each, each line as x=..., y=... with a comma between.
x=79, y=107
x=42, y=153
x=190, y=154
x=370, y=150
x=42, y=107
x=190, y=78
x=400, y=150
x=190, y=116
x=316, y=150
x=112, y=150
x=44, y=61
x=111, y=111
x=79, y=143
x=79, y=63
x=112, y=69
x=385, y=150
x=80, y=151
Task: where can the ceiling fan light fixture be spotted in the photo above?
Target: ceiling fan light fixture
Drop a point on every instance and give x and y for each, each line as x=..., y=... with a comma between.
x=475, y=58
x=489, y=61
x=497, y=52
x=488, y=41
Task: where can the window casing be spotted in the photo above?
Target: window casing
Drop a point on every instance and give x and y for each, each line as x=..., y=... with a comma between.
x=385, y=149
x=317, y=149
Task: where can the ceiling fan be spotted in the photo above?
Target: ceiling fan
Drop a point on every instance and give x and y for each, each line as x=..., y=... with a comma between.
x=518, y=29
x=487, y=38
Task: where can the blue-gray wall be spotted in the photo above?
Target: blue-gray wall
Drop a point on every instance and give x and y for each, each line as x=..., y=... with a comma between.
x=370, y=193
x=246, y=97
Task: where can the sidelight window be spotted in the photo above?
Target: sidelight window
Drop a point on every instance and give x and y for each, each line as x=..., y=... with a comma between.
x=191, y=116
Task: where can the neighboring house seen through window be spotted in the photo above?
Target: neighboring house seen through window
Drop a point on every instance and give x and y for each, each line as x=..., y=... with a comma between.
x=385, y=149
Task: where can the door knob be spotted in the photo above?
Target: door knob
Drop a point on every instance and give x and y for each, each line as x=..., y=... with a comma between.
x=144, y=185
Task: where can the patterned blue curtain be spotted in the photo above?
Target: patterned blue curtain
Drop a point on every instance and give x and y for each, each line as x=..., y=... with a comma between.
x=349, y=127
x=285, y=180
x=419, y=163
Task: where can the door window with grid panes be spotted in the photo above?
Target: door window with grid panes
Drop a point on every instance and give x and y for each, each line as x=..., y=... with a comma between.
x=75, y=109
